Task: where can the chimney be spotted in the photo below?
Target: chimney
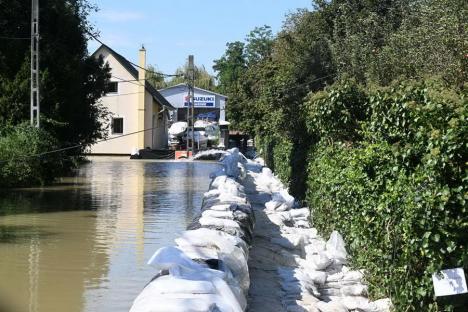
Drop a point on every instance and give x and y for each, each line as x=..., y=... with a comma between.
x=141, y=97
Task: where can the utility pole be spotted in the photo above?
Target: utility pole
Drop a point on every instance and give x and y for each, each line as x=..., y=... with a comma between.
x=35, y=107
x=191, y=103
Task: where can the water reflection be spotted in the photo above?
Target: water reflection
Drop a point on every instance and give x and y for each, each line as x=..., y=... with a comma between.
x=81, y=245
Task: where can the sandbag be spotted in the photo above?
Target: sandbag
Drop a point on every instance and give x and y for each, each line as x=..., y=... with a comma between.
x=336, y=248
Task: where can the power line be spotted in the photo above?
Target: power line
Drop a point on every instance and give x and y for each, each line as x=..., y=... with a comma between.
x=24, y=157
x=138, y=66
x=307, y=83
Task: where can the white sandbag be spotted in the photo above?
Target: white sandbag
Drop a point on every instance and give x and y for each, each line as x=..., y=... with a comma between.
x=302, y=224
x=218, y=181
x=272, y=204
x=382, y=305
x=298, y=213
x=354, y=276
x=283, y=197
x=167, y=258
x=168, y=284
x=218, y=214
x=148, y=302
x=221, y=207
x=335, y=277
x=354, y=290
x=336, y=248
x=318, y=262
x=260, y=161
x=318, y=277
x=211, y=193
x=317, y=246
x=224, y=197
x=209, y=238
x=282, y=207
x=230, y=163
x=267, y=173
x=217, y=222
x=310, y=235
x=332, y=306
x=356, y=302
x=363, y=304
x=197, y=252
x=276, y=219
x=228, y=296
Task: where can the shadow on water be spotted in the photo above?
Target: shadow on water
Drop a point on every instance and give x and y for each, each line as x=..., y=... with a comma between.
x=13, y=234
x=21, y=201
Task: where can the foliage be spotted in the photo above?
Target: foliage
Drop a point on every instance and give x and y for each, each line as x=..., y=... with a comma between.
x=17, y=168
x=156, y=80
x=335, y=113
x=203, y=79
x=399, y=194
x=72, y=82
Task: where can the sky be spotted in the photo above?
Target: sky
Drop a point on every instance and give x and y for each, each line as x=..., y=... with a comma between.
x=172, y=29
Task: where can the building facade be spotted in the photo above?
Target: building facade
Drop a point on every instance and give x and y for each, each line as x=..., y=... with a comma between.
x=207, y=104
x=136, y=109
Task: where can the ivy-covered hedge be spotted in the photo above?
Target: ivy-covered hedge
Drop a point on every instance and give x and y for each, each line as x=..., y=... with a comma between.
x=17, y=168
x=396, y=187
x=387, y=168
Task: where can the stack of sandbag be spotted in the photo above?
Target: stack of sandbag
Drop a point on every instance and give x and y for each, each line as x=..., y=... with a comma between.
x=207, y=269
x=313, y=273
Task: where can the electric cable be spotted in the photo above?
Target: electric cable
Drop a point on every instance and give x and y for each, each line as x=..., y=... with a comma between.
x=138, y=66
x=25, y=157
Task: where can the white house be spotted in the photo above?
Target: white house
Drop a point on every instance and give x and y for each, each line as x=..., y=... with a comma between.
x=134, y=106
x=206, y=103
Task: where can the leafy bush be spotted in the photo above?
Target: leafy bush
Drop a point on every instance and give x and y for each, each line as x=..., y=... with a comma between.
x=335, y=113
x=17, y=168
x=399, y=194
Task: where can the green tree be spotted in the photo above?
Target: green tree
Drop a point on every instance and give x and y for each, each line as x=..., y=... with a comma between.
x=203, y=79
x=153, y=77
x=71, y=81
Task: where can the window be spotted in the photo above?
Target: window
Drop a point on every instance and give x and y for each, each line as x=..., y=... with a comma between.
x=117, y=125
x=113, y=87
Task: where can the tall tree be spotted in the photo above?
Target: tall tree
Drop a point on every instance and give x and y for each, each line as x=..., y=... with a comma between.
x=155, y=78
x=203, y=79
x=71, y=81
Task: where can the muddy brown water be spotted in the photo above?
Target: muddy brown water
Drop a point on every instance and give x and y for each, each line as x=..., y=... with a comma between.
x=82, y=244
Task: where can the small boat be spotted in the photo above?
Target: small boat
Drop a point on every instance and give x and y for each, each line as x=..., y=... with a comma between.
x=178, y=128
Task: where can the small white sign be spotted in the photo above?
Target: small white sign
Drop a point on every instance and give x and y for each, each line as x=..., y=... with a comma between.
x=449, y=282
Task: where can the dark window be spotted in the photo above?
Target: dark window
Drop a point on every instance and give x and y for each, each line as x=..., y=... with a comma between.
x=117, y=125
x=113, y=87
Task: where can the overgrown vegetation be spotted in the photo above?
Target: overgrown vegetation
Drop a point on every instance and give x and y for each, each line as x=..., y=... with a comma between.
x=71, y=81
x=361, y=107
x=19, y=166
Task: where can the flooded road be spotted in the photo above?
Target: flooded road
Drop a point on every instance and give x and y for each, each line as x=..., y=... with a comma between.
x=82, y=245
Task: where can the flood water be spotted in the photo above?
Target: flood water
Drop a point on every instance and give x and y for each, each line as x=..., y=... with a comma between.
x=82, y=245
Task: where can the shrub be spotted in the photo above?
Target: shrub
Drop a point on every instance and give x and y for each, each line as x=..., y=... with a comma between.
x=398, y=195
x=18, y=166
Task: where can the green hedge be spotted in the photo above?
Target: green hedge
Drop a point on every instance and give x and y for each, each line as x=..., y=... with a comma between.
x=397, y=191
x=17, y=168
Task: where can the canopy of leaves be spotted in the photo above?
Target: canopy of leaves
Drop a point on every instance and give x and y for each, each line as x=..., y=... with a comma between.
x=71, y=81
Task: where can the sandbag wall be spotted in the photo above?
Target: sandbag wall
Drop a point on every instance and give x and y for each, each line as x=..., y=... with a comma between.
x=207, y=268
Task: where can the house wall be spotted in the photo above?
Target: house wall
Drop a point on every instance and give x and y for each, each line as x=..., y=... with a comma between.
x=124, y=104
x=159, y=133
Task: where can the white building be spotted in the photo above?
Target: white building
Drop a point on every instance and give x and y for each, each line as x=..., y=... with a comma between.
x=134, y=105
x=206, y=103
